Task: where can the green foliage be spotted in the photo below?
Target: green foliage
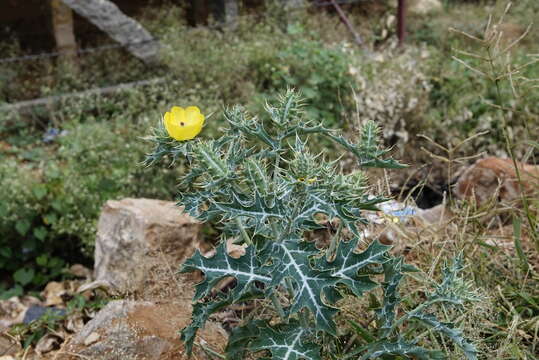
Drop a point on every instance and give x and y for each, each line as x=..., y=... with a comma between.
x=266, y=189
x=51, y=202
x=319, y=72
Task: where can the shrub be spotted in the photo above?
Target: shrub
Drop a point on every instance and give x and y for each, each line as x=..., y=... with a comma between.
x=319, y=72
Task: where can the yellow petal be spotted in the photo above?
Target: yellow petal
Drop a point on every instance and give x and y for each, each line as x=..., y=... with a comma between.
x=177, y=110
x=184, y=124
x=193, y=115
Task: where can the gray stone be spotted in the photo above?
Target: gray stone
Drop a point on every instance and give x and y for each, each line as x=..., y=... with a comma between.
x=140, y=330
x=109, y=18
x=133, y=235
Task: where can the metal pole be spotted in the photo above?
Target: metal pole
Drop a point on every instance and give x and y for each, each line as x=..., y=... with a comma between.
x=401, y=21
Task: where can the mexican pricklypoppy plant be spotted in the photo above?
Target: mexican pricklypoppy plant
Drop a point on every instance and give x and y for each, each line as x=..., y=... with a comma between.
x=262, y=184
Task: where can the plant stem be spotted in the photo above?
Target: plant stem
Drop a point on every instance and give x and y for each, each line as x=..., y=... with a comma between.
x=277, y=305
x=244, y=234
x=303, y=319
x=290, y=288
x=334, y=243
x=509, y=146
x=413, y=312
x=291, y=220
x=276, y=169
x=210, y=351
x=275, y=231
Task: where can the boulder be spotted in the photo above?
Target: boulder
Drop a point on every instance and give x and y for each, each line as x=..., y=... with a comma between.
x=133, y=235
x=495, y=177
x=140, y=330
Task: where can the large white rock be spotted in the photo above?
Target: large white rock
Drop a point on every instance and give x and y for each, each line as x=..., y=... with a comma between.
x=133, y=235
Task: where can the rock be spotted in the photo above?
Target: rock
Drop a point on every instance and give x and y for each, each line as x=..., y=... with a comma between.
x=495, y=177
x=91, y=339
x=133, y=235
x=140, y=330
x=80, y=271
x=423, y=7
x=74, y=323
x=12, y=312
x=53, y=293
x=102, y=285
x=48, y=343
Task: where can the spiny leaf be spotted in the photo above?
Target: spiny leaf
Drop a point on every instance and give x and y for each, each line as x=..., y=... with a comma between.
x=288, y=109
x=402, y=348
x=257, y=176
x=260, y=209
x=193, y=202
x=319, y=202
x=291, y=259
x=470, y=351
x=286, y=342
x=367, y=151
x=203, y=311
x=454, y=289
x=246, y=270
x=208, y=154
x=347, y=263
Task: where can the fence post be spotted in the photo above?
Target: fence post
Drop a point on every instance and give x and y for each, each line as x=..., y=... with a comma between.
x=231, y=13
x=64, y=34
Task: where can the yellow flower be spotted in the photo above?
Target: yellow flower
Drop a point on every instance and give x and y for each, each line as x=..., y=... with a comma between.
x=183, y=124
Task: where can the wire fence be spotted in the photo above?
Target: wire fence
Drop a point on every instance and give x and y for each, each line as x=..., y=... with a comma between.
x=21, y=105
x=80, y=52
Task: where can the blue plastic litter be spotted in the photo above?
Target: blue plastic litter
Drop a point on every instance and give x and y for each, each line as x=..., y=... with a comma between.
x=52, y=133
x=404, y=213
x=35, y=312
